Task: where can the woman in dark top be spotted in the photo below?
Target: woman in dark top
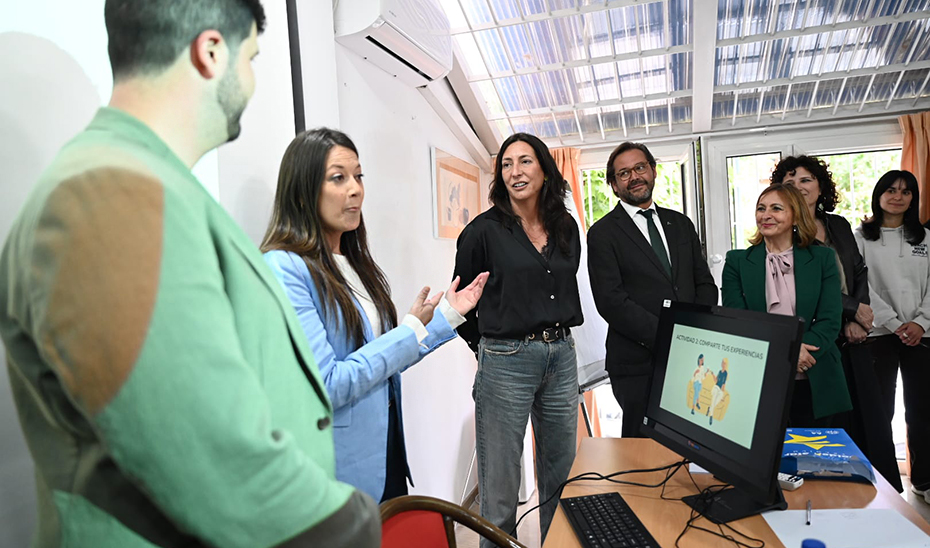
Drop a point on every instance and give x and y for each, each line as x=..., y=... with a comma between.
x=812, y=177
x=526, y=355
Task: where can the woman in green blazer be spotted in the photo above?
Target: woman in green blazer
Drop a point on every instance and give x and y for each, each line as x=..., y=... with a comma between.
x=786, y=272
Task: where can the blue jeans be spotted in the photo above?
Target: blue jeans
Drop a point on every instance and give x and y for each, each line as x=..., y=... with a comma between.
x=517, y=379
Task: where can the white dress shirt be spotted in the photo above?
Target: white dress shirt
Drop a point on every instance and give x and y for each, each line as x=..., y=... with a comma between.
x=643, y=224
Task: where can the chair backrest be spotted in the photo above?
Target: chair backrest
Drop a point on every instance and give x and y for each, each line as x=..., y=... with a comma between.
x=414, y=521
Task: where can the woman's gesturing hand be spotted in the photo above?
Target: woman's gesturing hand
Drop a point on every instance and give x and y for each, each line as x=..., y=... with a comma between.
x=422, y=307
x=466, y=299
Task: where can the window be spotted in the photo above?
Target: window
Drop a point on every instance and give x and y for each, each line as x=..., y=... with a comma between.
x=599, y=198
x=855, y=176
x=747, y=176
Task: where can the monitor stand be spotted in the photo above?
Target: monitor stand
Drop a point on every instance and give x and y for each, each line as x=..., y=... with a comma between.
x=731, y=504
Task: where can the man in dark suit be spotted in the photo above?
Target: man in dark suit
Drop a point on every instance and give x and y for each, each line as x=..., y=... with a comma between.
x=638, y=256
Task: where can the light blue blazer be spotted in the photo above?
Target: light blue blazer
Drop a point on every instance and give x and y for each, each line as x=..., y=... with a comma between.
x=356, y=379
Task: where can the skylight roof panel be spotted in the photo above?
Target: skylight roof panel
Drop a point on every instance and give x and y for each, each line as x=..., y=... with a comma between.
x=583, y=84
x=748, y=103
x=534, y=90
x=486, y=90
x=510, y=96
x=681, y=110
x=533, y=7
x=477, y=12
x=611, y=117
x=505, y=9
x=570, y=34
x=605, y=81
x=869, y=49
x=470, y=55
x=563, y=4
x=504, y=127
x=882, y=86
x=623, y=22
x=910, y=84
x=523, y=124
x=567, y=125
x=520, y=51
x=749, y=59
x=820, y=13
x=658, y=114
x=562, y=93
x=598, y=33
x=492, y=49
x=725, y=66
x=729, y=13
x=682, y=70
x=541, y=34
x=588, y=119
x=655, y=74
x=680, y=22
x=635, y=117
x=908, y=41
x=723, y=105
x=854, y=90
x=630, y=81
x=545, y=126
x=827, y=92
x=651, y=25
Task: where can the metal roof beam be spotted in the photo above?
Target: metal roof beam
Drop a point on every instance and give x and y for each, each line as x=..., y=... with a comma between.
x=878, y=21
x=867, y=71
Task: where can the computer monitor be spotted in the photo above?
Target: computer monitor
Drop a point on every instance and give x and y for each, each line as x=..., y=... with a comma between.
x=735, y=426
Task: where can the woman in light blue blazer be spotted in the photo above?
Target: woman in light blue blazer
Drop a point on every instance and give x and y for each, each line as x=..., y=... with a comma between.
x=316, y=245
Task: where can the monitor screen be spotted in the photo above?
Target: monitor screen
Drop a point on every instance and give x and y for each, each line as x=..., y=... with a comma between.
x=722, y=380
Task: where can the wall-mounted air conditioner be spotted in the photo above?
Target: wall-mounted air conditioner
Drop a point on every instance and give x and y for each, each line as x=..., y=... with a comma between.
x=407, y=38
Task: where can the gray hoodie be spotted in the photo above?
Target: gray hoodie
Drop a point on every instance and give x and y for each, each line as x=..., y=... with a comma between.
x=899, y=280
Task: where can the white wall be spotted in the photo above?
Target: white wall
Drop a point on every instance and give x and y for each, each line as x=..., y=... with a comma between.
x=394, y=127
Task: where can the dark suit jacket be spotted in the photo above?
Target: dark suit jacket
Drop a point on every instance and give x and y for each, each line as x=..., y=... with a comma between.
x=629, y=284
x=817, y=298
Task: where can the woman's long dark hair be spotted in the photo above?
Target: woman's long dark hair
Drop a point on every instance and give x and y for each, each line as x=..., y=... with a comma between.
x=913, y=231
x=296, y=226
x=829, y=196
x=551, y=205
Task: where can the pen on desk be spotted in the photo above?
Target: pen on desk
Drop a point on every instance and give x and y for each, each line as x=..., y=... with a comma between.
x=808, y=511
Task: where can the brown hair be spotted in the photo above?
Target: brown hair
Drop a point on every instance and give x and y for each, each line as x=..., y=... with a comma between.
x=296, y=226
x=805, y=231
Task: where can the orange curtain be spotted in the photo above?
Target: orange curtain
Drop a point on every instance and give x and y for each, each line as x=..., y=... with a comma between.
x=915, y=155
x=567, y=161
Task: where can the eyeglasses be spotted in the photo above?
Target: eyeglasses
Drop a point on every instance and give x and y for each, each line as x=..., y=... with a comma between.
x=625, y=174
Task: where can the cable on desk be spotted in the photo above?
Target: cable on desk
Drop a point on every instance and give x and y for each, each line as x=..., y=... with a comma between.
x=670, y=470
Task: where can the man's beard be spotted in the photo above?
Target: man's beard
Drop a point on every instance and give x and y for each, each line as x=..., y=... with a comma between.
x=232, y=102
x=634, y=199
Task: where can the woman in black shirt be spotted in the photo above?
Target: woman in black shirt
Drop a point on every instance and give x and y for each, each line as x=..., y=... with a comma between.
x=526, y=355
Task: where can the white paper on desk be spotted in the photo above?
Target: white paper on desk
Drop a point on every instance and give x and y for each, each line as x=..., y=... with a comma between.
x=847, y=528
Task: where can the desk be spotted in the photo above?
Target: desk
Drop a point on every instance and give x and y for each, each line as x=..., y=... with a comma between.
x=666, y=519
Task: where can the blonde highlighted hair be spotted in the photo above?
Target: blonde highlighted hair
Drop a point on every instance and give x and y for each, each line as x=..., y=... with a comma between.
x=805, y=231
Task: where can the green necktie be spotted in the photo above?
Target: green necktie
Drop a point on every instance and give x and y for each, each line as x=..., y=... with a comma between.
x=656, y=240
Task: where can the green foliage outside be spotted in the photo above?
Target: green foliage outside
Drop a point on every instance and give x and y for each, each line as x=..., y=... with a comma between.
x=855, y=176
x=599, y=199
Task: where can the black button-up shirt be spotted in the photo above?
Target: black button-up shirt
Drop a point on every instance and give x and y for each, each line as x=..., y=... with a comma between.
x=527, y=291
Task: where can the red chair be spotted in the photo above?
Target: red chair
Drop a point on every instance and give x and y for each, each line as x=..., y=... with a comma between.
x=425, y=522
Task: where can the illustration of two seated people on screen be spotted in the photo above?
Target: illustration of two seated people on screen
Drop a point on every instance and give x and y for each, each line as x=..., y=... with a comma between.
x=707, y=392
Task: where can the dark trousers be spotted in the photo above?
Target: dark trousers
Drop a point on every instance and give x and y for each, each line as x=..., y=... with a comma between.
x=801, y=413
x=395, y=482
x=868, y=423
x=914, y=362
x=631, y=392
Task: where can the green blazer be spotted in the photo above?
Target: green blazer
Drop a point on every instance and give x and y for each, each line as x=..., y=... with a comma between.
x=162, y=380
x=818, y=302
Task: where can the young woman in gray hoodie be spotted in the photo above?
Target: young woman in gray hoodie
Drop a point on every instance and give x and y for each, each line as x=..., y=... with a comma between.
x=895, y=246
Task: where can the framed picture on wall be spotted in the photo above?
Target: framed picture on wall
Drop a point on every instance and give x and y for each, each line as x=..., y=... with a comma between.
x=455, y=193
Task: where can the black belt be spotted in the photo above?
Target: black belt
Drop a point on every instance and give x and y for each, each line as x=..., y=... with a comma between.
x=549, y=334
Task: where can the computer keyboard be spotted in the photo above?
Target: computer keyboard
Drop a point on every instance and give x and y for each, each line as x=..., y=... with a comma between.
x=606, y=521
